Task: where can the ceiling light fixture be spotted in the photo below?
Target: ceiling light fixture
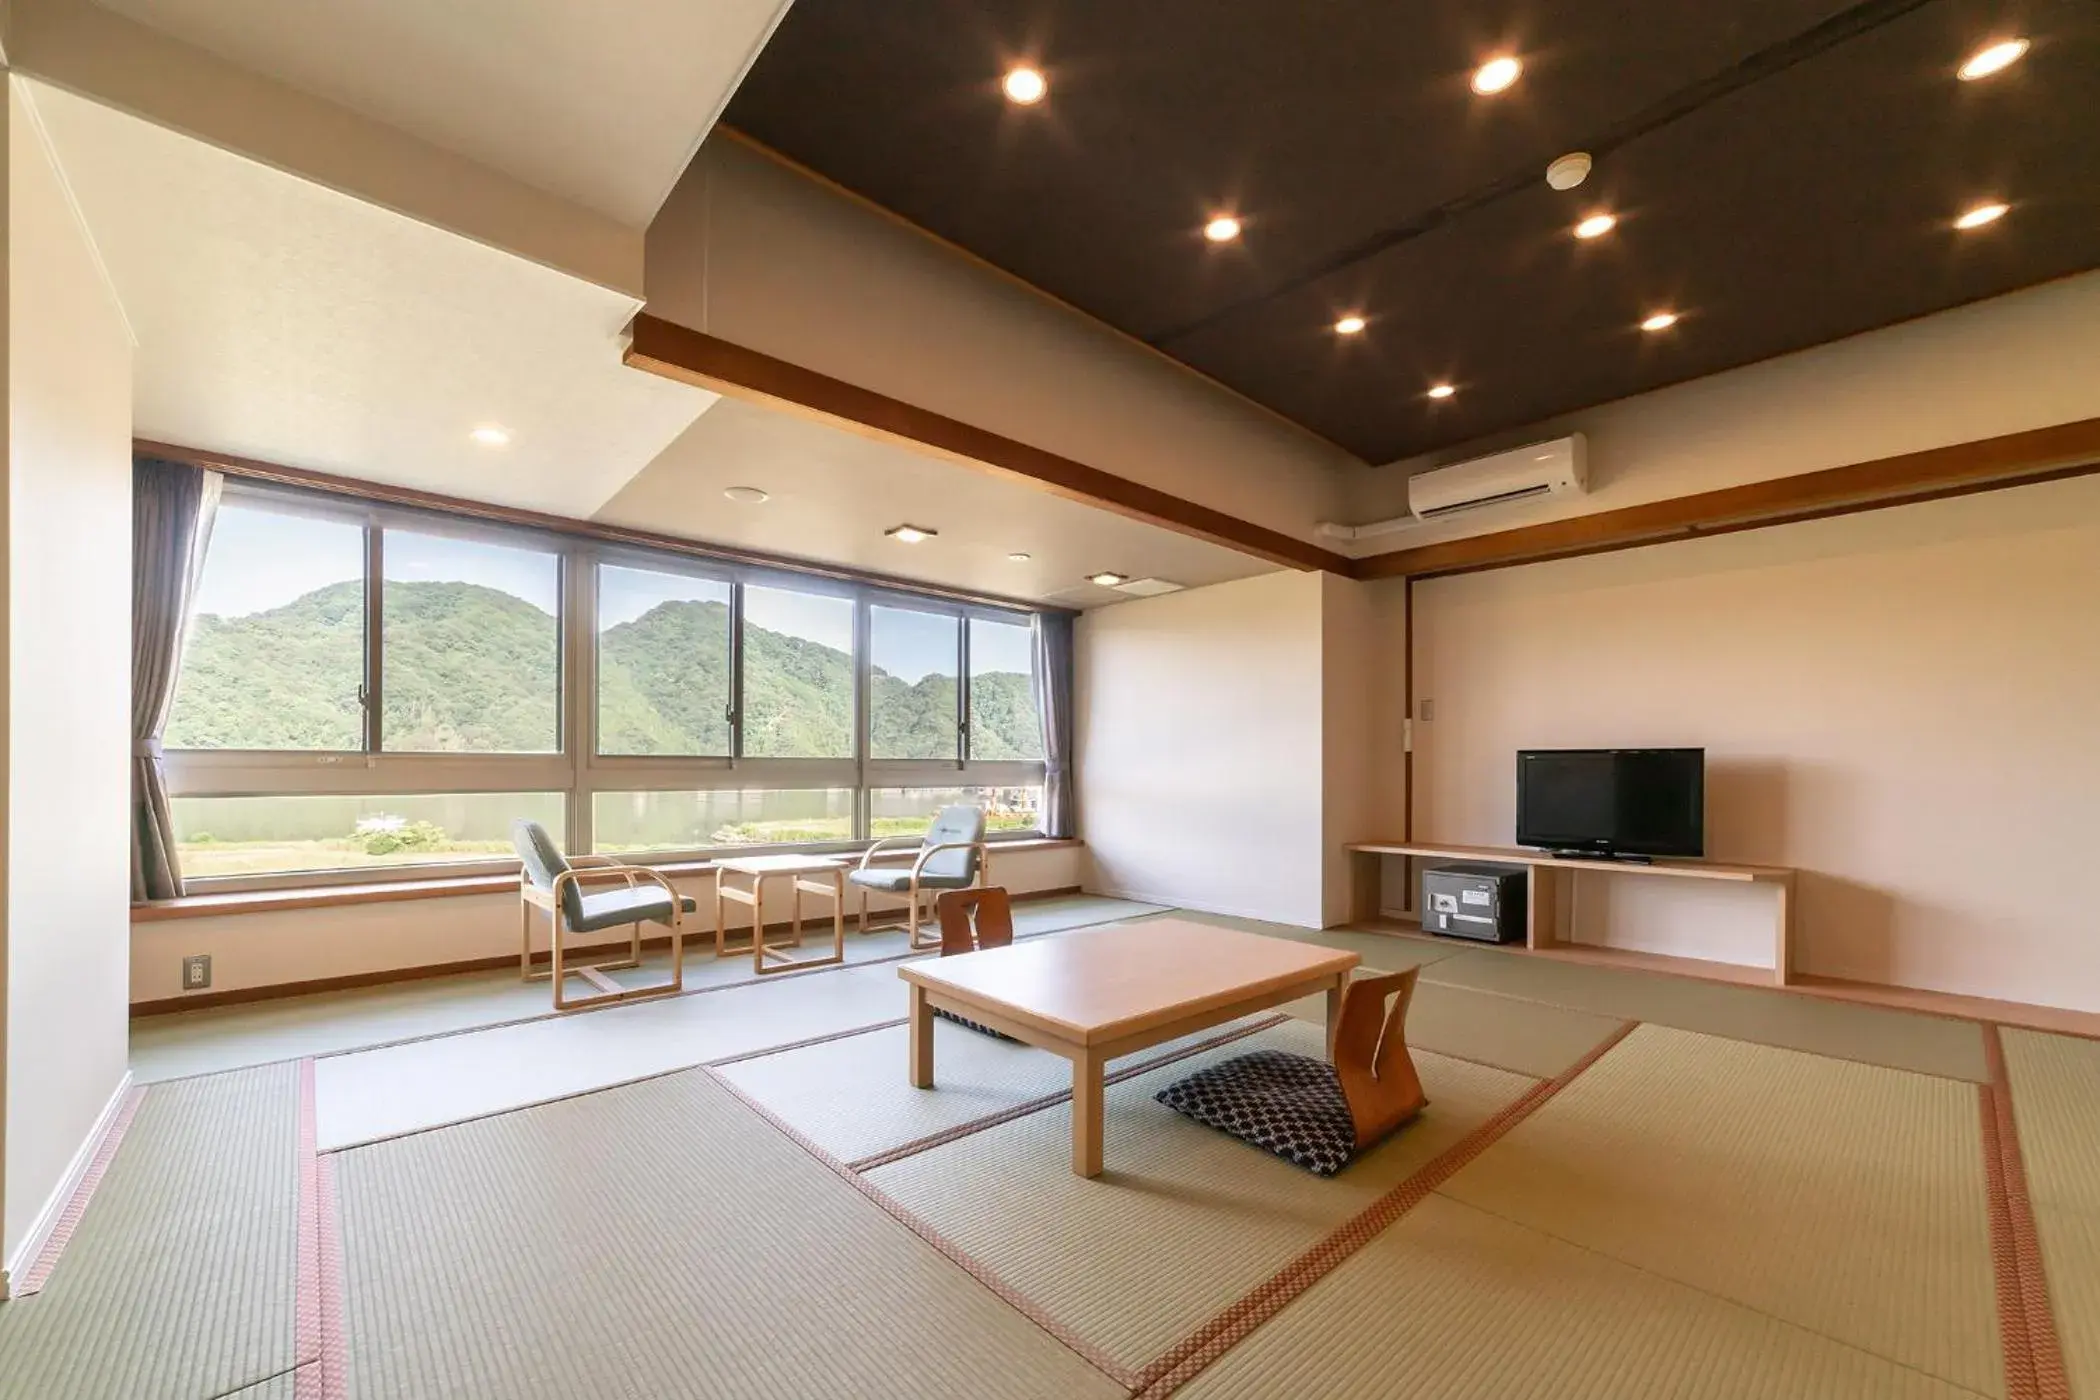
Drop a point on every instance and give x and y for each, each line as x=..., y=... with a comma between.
x=1596, y=226
x=1223, y=229
x=1496, y=75
x=1979, y=216
x=1025, y=86
x=746, y=495
x=1020, y=557
x=1108, y=580
x=1349, y=325
x=1569, y=170
x=1660, y=321
x=1993, y=59
x=489, y=435
x=1441, y=391
x=910, y=534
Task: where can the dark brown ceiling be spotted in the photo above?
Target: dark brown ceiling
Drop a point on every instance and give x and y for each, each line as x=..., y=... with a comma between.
x=1785, y=172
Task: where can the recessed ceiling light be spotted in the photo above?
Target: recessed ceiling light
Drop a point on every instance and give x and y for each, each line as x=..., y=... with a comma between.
x=1982, y=214
x=1108, y=580
x=910, y=534
x=1349, y=325
x=746, y=495
x=1660, y=321
x=1569, y=170
x=1019, y=557
x=1596, y=226
x=1495, y=75
x=1222, y=229
x=1441, y=391
x=1995, y=58
x=489, y=435
x=1025, y=86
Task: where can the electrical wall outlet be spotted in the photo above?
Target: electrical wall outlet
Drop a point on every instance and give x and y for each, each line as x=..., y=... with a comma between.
x=196, y=971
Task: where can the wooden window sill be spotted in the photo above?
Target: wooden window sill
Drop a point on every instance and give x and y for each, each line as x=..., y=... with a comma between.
x=205, y=906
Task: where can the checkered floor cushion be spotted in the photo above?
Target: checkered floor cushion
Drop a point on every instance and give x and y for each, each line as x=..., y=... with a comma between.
x=965, y=1021
x=1290, y=1105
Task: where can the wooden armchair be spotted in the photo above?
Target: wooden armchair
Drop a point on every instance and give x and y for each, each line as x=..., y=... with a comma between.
x=952, y=856
x=562, y=888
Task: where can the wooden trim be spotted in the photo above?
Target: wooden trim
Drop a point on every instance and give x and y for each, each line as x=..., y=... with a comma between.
x=410, y=498
x=208, y=906
x=236, y=996
x=694, y=357
x=1986, y=464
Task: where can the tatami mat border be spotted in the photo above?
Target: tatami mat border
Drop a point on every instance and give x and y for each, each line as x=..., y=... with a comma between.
x=320, y=1374
x=83, y=1191
x=940, y=1243
x=2034, y=1361
x=1181, y=1363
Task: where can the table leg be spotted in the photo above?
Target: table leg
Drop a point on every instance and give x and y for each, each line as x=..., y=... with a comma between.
x=921, y=1039
x=1334, y=1011
x=1086, y=1114
x=758, y=923
x=838, y=914
x=721, y=922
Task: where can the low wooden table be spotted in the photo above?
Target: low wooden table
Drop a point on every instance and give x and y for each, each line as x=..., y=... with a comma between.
x=1099, y=993
x=799, y=872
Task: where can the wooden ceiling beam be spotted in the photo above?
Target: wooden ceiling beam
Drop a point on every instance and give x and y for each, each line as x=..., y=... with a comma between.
x=1987, y=464
x=709, y=362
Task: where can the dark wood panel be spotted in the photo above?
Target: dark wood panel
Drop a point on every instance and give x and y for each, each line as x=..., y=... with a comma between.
x=694, y=357
x=1987, y=464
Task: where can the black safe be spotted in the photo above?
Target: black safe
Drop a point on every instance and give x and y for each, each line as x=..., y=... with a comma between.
x=1483, y=902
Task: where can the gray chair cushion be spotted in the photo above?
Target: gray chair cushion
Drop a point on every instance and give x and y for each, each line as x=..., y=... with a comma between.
x=957, y=823
x=1291, y=1105
x=618, y=904
x=897, y=880
x=544, y=863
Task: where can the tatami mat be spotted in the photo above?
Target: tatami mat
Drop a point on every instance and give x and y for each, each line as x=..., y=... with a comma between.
x=1184, y=1220
x=1528, y=1037
x=658, y=1240
x=853, y=1097
x=406, y=1088
x=1870, y=1034
x=180, y=1280
x=1455, y=1304
x=200, y=1042
x=1845, y=1198
x=2056, y=1104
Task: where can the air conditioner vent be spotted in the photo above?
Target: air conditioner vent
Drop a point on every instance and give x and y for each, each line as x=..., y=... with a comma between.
x=1539, y=469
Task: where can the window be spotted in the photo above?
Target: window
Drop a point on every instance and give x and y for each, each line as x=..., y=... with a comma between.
x=1004, y=720
x=472, y=646
x=275, y=657
x=630, y=822
x=663, y=663
x=375, y=687
x=798, y=674
x=909, y=811
x=911, y=685
x=272, y=835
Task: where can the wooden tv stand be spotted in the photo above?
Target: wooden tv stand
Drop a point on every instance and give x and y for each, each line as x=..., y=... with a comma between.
x=1543, y=885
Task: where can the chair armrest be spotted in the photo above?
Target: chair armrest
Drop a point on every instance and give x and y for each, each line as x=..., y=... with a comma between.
x=874, y=846
x=984, y=856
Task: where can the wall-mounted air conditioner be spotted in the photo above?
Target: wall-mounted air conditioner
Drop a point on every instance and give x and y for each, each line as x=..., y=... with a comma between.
x=1556, y=468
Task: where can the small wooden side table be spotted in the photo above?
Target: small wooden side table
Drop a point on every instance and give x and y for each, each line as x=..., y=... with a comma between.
x=819, y=875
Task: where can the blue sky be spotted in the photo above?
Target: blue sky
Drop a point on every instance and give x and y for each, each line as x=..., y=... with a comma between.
x=261, y=559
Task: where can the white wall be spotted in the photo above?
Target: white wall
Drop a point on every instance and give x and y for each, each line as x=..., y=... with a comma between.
x=1901, y=703
x=762, y=255
x=306, y=945
x=68, y=546
x=1198, y=728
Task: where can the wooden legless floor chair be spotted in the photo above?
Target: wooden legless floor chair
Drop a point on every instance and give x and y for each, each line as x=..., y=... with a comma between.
x=1309, y=1112
x=971, y=921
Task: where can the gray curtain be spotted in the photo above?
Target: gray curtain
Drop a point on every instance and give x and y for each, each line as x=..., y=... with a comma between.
x=172, y=505
x=1053, y=698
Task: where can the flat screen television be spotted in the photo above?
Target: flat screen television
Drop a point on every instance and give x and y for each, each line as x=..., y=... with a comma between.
x=1612, y=802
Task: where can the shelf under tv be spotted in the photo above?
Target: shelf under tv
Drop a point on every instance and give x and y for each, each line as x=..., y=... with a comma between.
x=1543, y=888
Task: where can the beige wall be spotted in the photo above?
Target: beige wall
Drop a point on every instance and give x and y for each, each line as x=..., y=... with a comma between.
x=2025, y=360
x=1198, y=729
x=68, y=548
x=756, y=253
x=265, y=950
x=1364, y=705
x=1900, y=703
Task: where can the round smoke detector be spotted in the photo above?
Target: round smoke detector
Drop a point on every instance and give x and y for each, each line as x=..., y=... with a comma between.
x=745, y=495
x=1569, y=171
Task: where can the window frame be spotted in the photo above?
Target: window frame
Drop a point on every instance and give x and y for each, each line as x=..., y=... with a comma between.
x=577, y=769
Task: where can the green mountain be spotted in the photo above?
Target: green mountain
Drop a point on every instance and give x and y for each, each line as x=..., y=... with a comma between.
x=473, y=669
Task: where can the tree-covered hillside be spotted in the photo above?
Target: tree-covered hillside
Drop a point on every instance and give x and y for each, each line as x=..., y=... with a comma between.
x=470, y=668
